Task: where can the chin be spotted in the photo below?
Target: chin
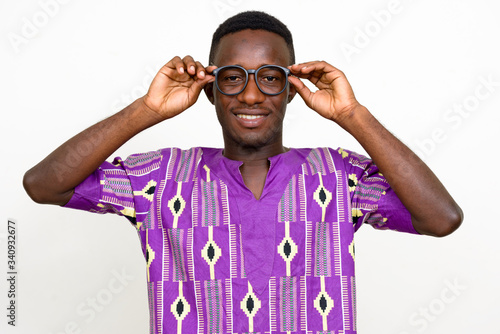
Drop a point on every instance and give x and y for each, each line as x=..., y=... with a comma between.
x=255, y=140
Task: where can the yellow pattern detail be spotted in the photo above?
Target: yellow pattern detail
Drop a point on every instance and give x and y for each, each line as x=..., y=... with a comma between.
x=344, y=153
x=129, y=212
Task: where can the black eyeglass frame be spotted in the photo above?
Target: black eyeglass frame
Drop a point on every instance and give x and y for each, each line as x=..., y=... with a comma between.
x=247, y=72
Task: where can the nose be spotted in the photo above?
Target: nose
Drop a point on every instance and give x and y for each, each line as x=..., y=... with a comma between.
x=251, y=94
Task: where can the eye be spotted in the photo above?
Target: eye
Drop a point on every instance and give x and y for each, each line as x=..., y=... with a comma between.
x=233, y=78
x=269, y=78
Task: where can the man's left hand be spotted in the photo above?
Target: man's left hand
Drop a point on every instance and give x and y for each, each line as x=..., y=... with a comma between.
x=334, y=98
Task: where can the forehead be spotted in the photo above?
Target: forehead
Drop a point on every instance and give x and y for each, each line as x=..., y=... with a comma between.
x=251, y=49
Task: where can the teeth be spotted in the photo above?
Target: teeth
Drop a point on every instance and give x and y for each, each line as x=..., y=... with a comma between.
x=249, y=116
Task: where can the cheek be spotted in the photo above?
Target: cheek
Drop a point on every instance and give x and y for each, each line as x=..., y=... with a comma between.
x=221, y=111
x=221, y=103
x=218, y=105
x=280, y=106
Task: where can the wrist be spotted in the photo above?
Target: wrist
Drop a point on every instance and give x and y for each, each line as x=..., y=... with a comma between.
x=146, y=114
x=137, y=117
x=354, y=119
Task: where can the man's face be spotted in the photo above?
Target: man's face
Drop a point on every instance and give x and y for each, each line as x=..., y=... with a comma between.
x=251, y=119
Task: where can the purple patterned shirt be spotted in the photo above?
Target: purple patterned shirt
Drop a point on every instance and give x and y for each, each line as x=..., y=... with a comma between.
x=220, y=261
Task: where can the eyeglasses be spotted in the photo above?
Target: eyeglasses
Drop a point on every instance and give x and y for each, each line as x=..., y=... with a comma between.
x=233, y=79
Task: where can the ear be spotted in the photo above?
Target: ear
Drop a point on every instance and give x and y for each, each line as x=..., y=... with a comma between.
x=291, y=92
x=209, y=91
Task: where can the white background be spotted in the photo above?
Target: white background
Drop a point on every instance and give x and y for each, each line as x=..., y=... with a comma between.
x=68, y=65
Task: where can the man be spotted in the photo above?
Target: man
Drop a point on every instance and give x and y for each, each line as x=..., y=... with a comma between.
x=256, y=237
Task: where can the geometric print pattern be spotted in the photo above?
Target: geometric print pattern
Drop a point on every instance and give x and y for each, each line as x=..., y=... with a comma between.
x=214, y=305
x=186, y=206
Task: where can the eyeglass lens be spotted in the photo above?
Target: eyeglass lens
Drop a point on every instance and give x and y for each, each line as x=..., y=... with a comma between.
x=270, y=79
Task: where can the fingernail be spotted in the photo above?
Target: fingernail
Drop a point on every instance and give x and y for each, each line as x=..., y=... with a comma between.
x=202, y=74
x=192, y=68
x=181, y=70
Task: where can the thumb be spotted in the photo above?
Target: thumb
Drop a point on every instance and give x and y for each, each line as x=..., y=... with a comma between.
x=302, y=89
x=199, y=84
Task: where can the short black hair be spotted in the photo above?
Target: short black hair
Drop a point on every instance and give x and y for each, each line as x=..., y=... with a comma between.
x=253, y=20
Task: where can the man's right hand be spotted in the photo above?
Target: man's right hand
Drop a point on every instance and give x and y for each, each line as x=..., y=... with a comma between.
x=177, y=86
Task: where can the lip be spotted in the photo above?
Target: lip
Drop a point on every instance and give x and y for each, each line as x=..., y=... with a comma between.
x=250, y=118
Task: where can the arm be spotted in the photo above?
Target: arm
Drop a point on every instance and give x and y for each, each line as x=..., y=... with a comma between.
x=175, y=88
x=433, y=210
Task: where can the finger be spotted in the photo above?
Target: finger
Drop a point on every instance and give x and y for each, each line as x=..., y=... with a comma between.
x=314, y=69
x=307, y=67
x=310, y=71
x=200, y=70
x=303, y=68
x=201, y=80
x=168, y=71
x=190, y=65
x=304, y=92
x=178, y=64
x=320, y=73
x=210, y=69
x=195, y=89
x=209, y=73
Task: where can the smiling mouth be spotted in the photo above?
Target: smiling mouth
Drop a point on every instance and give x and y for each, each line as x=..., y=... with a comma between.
x=244, y=116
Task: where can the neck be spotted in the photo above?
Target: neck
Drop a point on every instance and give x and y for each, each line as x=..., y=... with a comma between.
x=253, y=156
x=255, y=163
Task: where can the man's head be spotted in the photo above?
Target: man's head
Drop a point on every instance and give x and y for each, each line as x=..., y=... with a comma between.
x=252, y=20
x=251, y=118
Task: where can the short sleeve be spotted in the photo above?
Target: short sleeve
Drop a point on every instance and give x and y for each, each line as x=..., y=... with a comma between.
x=372, y=199
x=121, y=187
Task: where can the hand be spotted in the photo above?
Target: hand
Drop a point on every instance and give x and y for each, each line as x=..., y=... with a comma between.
x=334, y=98
x=177, y=86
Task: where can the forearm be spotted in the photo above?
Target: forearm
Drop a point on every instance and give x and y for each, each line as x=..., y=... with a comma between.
x=52, y=181
x=433, y=210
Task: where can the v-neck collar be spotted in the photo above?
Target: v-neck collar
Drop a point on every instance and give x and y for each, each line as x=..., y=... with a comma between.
x=258, y=218
x=282, y=166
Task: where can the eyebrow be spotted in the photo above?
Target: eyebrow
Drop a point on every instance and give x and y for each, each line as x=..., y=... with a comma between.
x=255, y=67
